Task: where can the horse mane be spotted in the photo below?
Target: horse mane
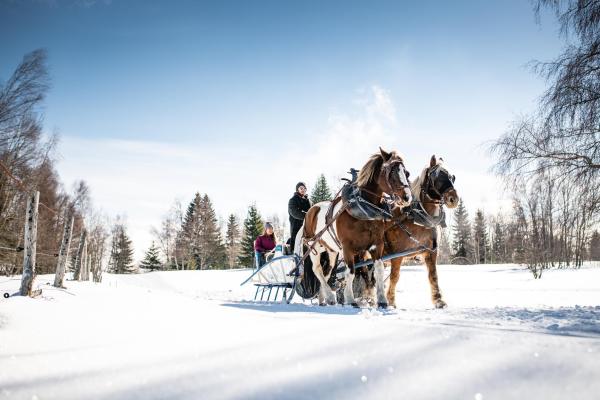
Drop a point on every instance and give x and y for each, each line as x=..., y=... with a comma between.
x=368, y=170
x=417, y=184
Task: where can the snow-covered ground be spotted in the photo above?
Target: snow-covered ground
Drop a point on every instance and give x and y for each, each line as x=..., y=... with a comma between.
x=196, y=335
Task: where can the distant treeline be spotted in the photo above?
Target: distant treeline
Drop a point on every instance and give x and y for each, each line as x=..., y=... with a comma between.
x=195, y=239
x=555, y=236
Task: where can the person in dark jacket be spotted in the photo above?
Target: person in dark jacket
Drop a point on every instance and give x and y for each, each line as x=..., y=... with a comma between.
x=297, y=208
x=264, y=244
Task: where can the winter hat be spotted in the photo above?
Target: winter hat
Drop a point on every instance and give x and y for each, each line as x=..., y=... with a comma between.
x=299, y=184
x=268, y=225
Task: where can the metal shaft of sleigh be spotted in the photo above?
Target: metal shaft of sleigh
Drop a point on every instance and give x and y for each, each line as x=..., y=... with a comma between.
x=288, y=289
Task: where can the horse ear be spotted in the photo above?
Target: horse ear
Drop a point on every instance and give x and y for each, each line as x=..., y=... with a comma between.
x=433, y=161
x=386, y=156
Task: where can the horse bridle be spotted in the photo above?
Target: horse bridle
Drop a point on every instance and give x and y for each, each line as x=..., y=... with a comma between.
x=387, y=169
x=428, y=187
x=425, y=190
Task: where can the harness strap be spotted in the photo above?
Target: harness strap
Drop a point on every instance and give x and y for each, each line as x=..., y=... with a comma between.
x=329, y=220
x=381, y=210
x=329, y=224
x=317, y=238
x=403, y=227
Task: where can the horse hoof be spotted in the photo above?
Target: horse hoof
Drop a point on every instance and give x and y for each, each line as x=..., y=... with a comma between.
x=355, y=305
x=322, y=304
x=382, y=305
x=440, y=304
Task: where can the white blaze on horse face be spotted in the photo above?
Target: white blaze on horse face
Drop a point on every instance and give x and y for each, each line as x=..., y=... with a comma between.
x=402, y=176
x=406, y=196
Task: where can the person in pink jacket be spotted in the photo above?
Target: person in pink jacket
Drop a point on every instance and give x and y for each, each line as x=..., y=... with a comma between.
x=264, y=244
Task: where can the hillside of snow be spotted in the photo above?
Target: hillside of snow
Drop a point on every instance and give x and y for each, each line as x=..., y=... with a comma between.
x=198, y=335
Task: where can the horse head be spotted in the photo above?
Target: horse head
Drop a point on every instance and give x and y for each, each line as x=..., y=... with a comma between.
x=438, y=183
x=393, y=178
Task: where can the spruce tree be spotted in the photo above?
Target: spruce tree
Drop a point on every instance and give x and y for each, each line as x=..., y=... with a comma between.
x=151, y=260
x=253, y=227
x=121, y=255
x=498, y=244
x=462, y=246
x=210, y=249
x=480, y=237
x=232, y=241
x=444, y=251
x=518, y=234
x=187, y=242
x=321, y=191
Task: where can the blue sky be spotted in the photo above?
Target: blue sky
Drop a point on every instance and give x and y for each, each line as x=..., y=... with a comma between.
x=161, y=94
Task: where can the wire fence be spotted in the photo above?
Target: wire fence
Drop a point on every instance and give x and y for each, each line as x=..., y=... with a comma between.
x=21, y=186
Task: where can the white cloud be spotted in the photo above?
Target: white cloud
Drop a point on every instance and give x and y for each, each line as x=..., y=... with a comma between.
x=141, y=178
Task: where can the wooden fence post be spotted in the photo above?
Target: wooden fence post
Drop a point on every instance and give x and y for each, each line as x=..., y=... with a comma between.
x=31, y=219
x=63, y=255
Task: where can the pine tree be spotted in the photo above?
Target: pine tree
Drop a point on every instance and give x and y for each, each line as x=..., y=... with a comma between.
x=480, y=238
x=232, y=240
x=462, y=246
x=498, y=244
x=321, y=191
x=121, y=255
x=151, y=260
x=187, y=241
x=444, y=250
x=595, y=246
x=253, y=227
x=210, y=249
x=518, y=234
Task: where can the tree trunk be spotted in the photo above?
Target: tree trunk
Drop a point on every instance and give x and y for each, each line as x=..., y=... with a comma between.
x=78, y=259
x=31, y=220
x=85, y=264
x=63, y=255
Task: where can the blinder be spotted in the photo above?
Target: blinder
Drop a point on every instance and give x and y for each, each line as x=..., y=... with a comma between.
x=434, y=176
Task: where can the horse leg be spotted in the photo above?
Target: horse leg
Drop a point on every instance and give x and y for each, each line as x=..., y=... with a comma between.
x=349, y=278
x=379, y=272
x=318, y=271
x=331, y=296
x=368, y=288
x=436, y=295
x=394, y=277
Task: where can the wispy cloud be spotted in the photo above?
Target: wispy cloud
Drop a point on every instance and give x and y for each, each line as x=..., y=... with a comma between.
x=142, y=178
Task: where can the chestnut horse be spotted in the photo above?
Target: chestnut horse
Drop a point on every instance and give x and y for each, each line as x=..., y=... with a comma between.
x=383, y=173
x=434, y=188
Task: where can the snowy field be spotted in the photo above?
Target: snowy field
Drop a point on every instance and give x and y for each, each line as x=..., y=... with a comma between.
x=196, y=335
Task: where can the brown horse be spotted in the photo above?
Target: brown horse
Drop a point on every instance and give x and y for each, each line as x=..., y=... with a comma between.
x=434, y=188
x=383, y=173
